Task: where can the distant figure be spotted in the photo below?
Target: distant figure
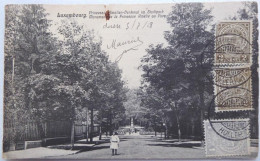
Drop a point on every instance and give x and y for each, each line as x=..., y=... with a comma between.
x=114, y=140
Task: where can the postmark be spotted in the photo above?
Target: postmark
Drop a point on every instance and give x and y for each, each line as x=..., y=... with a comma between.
x=233, y=43
x=228, y=69
x=232, y=89
x=213, y=115
x=233, y=99
x=227, y=137
x=231, y=77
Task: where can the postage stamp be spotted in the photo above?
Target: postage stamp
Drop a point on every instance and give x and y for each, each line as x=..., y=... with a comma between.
x=233, y=99
x=233, y=43
x=232, y=89
x=231, y=77
x=227, y=137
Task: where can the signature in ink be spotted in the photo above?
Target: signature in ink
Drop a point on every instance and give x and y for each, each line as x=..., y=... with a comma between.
x=114, y=45
x=137, y=43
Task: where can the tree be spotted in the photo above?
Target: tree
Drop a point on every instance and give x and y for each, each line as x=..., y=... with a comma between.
x=10, y=110
x=178, y=71
x=113, y=94
x=189, y=36
x=90, y=67
x=78, y=65
x=57, y=77
x=133, y=108
x=27, y=42
x=151, y=101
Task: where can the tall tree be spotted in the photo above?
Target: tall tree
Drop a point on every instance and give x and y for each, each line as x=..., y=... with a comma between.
x=27, y=42
x=179, y=70
x=133, y=107
x=89, y=67
x=55, y=78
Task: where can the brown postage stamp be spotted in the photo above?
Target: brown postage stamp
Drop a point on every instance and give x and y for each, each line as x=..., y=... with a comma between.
x=232, y=80
x=233, y=43
x=229, y=77
x=233, y=99
x=232, y=88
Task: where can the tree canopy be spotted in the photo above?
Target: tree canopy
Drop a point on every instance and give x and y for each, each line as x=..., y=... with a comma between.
x=176, y=73
x=56, y=77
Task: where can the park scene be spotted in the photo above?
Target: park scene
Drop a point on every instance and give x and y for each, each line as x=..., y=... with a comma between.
x=64, y=97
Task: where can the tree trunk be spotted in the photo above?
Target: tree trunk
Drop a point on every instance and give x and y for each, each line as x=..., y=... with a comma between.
x=72, y=134
x=14, y=134
x=202, y=108
x=87, y=134
x=166, y=131
x=110, y=124
x=91, y=125
x=178, y=122
x=179, y=132
x=100, y=133
x=187, y=129
x=107, y=127
x=155, y=133
x=87, y=128
x=192, y=128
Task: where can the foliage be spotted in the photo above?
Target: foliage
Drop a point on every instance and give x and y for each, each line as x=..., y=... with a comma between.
x=176, y=72
x=133, y=108
x=57, y=77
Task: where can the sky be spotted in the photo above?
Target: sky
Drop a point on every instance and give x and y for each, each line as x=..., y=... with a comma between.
x=126, y=29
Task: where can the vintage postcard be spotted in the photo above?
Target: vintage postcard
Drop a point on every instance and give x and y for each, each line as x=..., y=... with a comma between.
x=144, y=81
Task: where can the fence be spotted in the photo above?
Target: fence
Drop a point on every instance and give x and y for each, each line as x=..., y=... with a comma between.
x=81, y=130
x=31, y=130
x=147, y=133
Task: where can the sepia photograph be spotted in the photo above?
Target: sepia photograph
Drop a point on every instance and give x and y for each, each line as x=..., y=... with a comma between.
x=131, y=81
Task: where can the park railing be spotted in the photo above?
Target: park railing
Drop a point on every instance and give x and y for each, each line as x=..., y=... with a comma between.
x=121, y=132
x=146, y=132
x=81, y=130
x=31, y=130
